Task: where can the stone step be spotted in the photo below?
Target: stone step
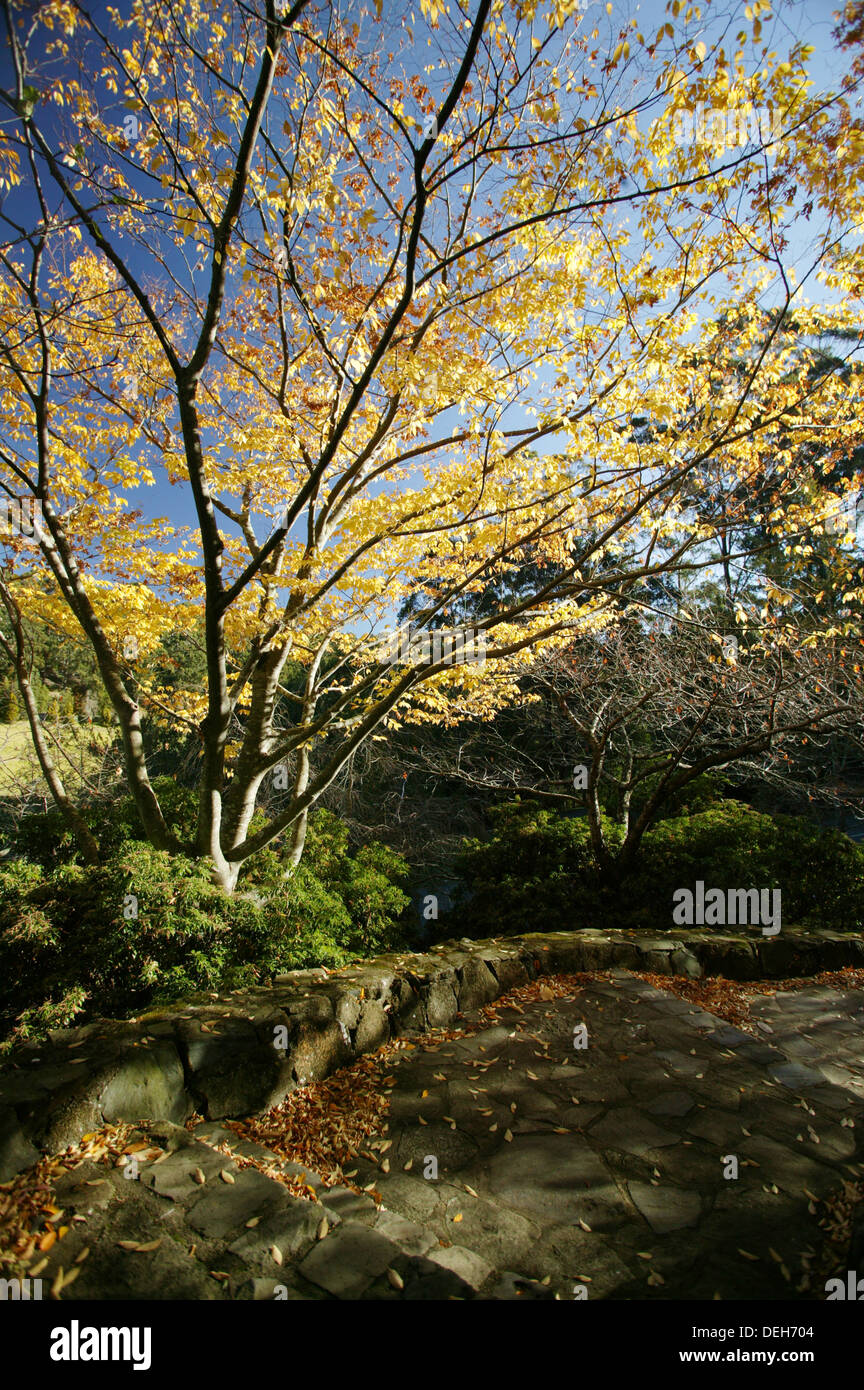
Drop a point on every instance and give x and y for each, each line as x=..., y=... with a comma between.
x=211, y=1230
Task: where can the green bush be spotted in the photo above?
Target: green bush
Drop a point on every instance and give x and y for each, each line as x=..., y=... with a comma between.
x=148, y=928
x=45, y=838
x=334, y=907
x=537, y=871
x=820, y=872
x=10, y=710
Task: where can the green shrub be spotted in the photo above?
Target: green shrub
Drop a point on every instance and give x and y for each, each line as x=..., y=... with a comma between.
x=334, y=906
x=820, y=872
x=10, y=710
x=537, y=871
x=366, y=883
x=45, y=838
x=148, y=928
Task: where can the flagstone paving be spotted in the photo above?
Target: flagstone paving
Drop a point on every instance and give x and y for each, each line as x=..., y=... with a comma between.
x=818, y=1028
x=516, y=1164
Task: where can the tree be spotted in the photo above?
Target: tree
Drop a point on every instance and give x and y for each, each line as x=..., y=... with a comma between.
x=630, y=723
x=386, y=323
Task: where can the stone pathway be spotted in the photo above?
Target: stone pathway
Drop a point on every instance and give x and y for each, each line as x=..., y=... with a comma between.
x=819, y=1028
x=517, y=1165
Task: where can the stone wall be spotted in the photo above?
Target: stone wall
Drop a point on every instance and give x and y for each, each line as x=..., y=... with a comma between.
x=218, y=1055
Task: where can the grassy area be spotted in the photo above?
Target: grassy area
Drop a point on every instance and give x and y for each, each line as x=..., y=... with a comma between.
x=70, y=745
